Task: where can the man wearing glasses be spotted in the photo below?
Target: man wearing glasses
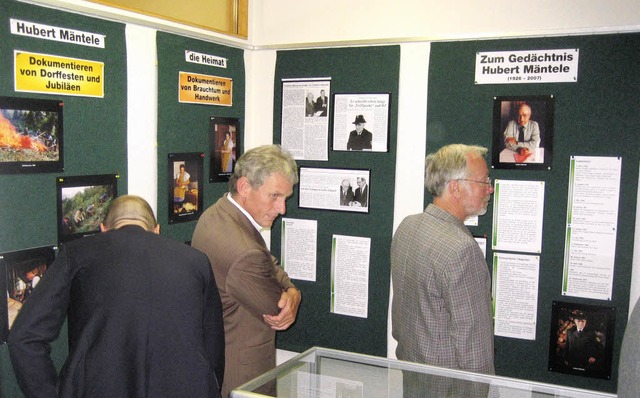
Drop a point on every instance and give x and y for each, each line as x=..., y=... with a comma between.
x=441, y=307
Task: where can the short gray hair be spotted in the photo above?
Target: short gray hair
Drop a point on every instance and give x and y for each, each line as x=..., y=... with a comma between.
x=127, y=210
x=447, y=164
x=259, y=163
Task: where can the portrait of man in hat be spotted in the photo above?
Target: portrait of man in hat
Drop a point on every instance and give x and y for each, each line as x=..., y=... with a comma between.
x=360, y=138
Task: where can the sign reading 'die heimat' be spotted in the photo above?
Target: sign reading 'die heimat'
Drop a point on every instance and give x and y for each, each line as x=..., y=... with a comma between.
x=204, y=59
x=205, y=89
x=538, y=66
x=40, y=31
x=52, y=74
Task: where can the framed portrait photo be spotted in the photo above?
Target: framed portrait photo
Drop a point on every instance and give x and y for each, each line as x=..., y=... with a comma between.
x=581, y=339
x=31, y=135
x=334, y=189
x=20, y=272
x=361, y=122
x=184, y=179
x=224, y=135
x=523, y=132
x=82, y=204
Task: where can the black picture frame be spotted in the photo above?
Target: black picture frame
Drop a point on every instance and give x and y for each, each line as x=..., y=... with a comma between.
x=321, y=188
x=184, y=201
x=224, y=144
x=505, y=118
x=82, y=204
x=20, y=272
x=372, y=110
x=31, y=135
x=588, y=354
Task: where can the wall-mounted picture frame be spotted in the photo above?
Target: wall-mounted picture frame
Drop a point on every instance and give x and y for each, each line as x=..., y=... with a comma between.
x=82, y=204
x=334, y=189
x=20, y=272
x=523, y=132
x=31, y=135
x=581, y=339
x=184, y=179
x=224, y=147
x=361, y=122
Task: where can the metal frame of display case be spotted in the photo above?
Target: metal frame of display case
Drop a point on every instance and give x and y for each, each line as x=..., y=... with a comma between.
x=322, y=372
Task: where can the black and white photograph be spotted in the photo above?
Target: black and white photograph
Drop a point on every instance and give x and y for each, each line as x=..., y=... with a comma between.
x=184, y=176
x=20, y=272
x=581, y=339
x=361, y=122
x=523, y=132
x=335, y=189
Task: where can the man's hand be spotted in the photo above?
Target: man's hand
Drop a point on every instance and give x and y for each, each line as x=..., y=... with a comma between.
x=511, y=140
x=288, y=304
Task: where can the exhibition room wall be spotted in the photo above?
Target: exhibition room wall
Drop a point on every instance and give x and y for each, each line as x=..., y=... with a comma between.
x=140, y=155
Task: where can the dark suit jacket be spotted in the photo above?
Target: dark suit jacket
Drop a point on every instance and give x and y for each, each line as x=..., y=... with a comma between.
x=346, y=197
x=362, y=195
x=250, y=283
x=321, y=105
x=144, y=319
x=359, y=142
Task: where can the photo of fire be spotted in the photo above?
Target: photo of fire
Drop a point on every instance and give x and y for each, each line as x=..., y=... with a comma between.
x=30, y=135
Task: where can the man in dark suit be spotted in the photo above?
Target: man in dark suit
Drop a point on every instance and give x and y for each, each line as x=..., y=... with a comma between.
x=258, y=297
x=346, y=193
x=144, y=316
x=361, y=196
x=322, y=103
x=360, y=138
x=309, y=105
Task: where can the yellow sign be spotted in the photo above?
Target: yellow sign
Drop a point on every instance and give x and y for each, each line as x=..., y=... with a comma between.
x=51, y=74
x=205, y=89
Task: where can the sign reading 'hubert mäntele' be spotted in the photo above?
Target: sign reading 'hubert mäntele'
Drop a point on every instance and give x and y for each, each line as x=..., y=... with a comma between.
x=538, y=66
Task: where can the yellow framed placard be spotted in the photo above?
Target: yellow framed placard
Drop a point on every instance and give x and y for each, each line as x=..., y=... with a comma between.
x=195, y=88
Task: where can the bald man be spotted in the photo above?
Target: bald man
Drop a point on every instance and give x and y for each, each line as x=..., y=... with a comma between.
x=144, y=316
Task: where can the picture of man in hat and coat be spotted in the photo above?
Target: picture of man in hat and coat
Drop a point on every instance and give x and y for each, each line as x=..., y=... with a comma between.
x=360, y=138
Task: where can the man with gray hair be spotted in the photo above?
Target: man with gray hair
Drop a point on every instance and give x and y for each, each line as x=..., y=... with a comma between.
x=144, y=316
x=441, y=308
x=258, y=297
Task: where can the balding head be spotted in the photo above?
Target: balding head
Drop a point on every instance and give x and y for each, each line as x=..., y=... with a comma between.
x=130, y=210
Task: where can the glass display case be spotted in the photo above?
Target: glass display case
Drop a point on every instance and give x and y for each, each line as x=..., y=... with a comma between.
x=326, y=373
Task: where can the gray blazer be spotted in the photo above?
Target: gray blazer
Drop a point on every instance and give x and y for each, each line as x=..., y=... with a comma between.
x=250, y=283
x=441, y=308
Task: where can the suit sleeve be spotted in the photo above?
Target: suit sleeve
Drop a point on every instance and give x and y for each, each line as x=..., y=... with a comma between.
x=36, y=326
x=213, y=326
x=255, y=284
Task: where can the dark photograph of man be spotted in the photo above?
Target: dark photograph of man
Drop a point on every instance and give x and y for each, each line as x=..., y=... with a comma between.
x=522, y=132
x=360, y=138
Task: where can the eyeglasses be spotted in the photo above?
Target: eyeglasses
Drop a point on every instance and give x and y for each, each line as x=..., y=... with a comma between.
x=487, y=181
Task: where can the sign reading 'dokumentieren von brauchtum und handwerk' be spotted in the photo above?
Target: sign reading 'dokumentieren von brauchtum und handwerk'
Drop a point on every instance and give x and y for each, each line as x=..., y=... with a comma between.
x=537, y=66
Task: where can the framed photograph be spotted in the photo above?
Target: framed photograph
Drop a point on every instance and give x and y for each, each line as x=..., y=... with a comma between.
x=31, y=132
x=581, y=339
x=305, y=117
x=20, y=272
x=523, y=132
x=361, y=122
x=223, y=147
x=82, y=204
x=184, y=177
x=334, y=189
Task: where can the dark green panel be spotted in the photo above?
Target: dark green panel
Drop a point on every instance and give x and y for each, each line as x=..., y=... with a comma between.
x=94, y=138
x=352, y=70
x=184, y=128
x=592, y=118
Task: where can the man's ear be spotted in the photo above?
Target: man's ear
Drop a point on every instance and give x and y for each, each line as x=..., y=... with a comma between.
x=243, y=186
x=156, y=230
x=103, y=228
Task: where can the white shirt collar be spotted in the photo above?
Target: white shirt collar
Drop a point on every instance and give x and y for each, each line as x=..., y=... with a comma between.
x=246, y=213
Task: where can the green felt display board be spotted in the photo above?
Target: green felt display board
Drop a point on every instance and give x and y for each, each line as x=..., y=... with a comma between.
x=184, y=127
x=352, y=70
x=592, y=118
x=94, y=138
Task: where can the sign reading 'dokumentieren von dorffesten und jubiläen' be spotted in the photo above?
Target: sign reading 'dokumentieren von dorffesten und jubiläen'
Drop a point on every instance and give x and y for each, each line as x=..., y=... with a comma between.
x=535, y=66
